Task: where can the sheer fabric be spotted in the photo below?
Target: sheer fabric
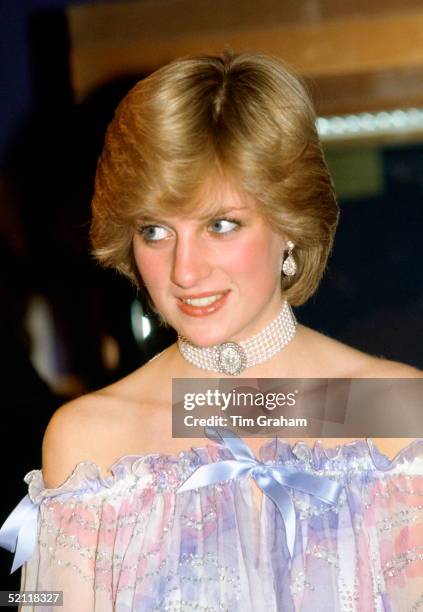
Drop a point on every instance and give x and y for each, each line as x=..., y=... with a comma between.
x=131, y=542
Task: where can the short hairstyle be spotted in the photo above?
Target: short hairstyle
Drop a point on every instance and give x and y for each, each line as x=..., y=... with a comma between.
x=246, y=117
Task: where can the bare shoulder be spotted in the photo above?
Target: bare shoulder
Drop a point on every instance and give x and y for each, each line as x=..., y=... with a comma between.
x=336, y=359
x=77, y=432
x=101, y=427
x=384, y=368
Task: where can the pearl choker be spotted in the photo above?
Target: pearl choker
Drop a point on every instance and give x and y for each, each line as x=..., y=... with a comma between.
x=233, y=358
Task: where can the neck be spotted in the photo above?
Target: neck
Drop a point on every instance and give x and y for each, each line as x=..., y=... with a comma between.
x=234, y=358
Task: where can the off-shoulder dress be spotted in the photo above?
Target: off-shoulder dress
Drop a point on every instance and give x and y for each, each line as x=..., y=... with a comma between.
x=135, y=541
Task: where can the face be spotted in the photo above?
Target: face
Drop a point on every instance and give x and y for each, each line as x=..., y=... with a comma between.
x=214, y=277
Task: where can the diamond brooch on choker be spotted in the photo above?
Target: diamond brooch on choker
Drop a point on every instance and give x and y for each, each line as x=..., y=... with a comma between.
x=233, y=358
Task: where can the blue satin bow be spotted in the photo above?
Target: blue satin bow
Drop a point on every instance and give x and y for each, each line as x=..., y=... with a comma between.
x=19, y=531
x=272, y=479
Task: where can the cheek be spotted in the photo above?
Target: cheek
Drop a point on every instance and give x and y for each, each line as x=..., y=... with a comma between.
x=150, y=268
x=258, y=260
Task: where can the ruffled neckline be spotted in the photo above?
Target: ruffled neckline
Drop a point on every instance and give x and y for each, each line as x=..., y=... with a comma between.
x=87, y=477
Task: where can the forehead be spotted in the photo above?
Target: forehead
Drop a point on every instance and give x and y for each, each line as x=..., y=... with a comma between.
x=215, y=196
x=212, y=198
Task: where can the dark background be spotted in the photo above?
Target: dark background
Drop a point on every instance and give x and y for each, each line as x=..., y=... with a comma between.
x=371, y=296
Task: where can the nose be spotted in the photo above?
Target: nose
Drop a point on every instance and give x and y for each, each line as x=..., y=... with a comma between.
x=190, y=263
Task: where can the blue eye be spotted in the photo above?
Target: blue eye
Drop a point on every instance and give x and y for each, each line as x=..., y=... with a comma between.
x=224, y=226
x=153, y=233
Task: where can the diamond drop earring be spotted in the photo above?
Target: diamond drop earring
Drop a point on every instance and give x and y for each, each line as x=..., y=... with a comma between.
x=289, y=267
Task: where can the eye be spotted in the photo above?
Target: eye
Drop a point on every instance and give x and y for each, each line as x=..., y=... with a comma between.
x=153, y=233
x=224, y=226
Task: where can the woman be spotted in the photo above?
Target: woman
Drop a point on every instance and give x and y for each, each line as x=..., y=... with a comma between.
x=213, y=196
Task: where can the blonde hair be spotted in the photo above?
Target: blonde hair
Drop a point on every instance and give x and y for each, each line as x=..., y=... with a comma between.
x=245, y=117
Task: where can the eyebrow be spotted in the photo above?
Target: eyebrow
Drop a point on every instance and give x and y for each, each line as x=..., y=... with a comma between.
x=221, y=211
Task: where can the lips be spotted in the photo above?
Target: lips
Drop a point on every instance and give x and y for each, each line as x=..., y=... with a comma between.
x=203, y=304
x=203, y=301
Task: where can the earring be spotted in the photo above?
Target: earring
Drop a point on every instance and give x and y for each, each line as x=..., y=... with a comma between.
x=289, y=267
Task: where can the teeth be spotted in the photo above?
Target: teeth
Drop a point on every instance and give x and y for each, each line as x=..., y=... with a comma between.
x=205, y=301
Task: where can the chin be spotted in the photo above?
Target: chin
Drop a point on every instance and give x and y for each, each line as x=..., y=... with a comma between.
x=203, y=342
x=205, y=338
